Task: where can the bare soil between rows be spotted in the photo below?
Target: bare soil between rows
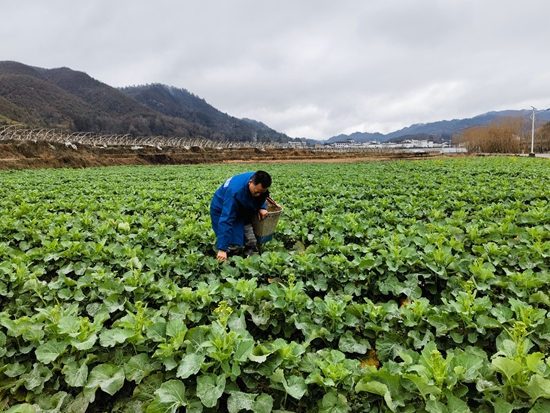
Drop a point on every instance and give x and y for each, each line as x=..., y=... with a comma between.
x=16, y=155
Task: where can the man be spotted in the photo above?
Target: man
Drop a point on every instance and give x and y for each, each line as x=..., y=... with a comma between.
x=233, y=207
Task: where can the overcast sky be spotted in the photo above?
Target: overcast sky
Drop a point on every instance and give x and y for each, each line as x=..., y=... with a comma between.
x=308, y=68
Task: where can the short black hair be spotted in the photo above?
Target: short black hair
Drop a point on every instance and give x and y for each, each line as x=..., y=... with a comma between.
x=261, y=177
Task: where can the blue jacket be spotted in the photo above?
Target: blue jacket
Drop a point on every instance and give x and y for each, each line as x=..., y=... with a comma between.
x=232, y=206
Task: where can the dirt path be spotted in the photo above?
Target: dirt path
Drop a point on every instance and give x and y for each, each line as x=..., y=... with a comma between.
x=39, y=155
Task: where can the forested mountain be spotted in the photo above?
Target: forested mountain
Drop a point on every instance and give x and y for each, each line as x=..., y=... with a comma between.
x=182, y=104
x=73, y=101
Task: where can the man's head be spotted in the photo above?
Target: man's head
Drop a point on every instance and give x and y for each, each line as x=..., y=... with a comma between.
x=259, y=183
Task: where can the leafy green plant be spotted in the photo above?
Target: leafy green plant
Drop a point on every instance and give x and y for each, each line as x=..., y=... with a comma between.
x=389, y=287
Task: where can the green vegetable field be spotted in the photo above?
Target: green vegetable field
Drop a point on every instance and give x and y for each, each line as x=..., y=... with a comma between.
x=389, y=287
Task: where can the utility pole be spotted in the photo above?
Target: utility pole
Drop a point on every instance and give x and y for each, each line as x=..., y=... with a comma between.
x=532, y=153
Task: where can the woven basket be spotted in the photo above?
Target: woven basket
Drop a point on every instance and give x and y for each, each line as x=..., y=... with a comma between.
x=265, y=228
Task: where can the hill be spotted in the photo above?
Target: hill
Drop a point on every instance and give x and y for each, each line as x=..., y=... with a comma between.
x=70, y=100
x=66, y=99
x=180, y=103
x=441, y=130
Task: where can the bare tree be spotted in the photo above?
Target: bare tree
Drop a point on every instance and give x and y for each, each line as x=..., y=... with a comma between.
x=542, y=138
x=507, y=135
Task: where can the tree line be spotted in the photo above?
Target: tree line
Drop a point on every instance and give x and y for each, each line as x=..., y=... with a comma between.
x=507, y=135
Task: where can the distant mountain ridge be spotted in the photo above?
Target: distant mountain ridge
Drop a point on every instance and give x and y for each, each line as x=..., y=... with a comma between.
x=441, y=130
x=180, y=103
x=73, y=101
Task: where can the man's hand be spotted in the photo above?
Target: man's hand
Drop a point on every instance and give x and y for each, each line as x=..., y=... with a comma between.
x=262, y=214
x=222, y=255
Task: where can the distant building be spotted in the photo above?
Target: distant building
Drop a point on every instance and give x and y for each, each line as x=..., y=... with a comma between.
x=417, y=143
x=405, y=144
x=296, y=145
